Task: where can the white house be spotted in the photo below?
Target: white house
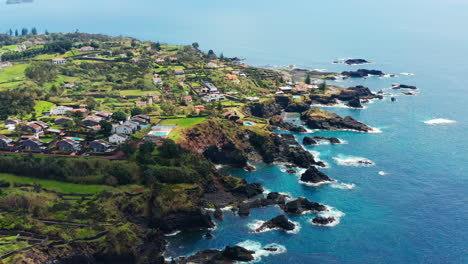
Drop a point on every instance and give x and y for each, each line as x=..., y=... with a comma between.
x=132, y=124
x=124, y=129
x=60, y=110
x=118, y=139
x=59, y=61
x=86, y=48
x=213, y=97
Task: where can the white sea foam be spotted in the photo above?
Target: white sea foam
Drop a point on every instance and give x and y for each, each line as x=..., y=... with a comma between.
x=330, y=212
x=382, y=173
x=316, y=155
x=339, y=104
x=255, y=224
x=407, y=73
x=173, y=233
x=260, y=251
x=315, y=184
x=343, y=186
x=219, y=166
x=353, y=161
x=439, y=121
x=375, y=131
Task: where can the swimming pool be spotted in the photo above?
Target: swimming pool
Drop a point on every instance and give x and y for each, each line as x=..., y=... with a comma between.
x=159, y=133
x=249, y=123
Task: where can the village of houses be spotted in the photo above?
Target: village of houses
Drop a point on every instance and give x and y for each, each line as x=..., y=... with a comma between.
x=31, y=133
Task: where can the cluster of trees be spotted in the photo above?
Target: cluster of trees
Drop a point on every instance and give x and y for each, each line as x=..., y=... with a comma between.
x=52, y=47
x=41, y=72
x=24, y=31
x=16, y=102
x=85, y=171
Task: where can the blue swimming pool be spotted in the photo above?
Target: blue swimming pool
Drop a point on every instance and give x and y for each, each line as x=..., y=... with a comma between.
x=249, y=123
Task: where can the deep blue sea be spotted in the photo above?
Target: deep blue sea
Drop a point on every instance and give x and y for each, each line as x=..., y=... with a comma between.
x=412, y=206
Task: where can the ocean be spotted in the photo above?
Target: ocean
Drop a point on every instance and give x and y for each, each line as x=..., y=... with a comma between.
x=411, y=206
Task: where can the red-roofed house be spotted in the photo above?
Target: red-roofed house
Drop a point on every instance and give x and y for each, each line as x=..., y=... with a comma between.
x=59, y=61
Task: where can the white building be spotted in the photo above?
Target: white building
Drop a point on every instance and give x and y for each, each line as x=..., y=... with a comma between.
x=60, y=110
x=58, y=61
x=132, y=124
x=118, y=139
x=124, y=129
x=213, y=98
x=87, y=48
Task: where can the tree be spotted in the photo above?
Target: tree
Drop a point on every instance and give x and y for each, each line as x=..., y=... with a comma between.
x=136, y=111
x=106, y=127
x=323, y=86
x=156, y=46
x=24, y=31
x=167, y=108
x=147, y=148
x=34, y=31
x=221, y=56
x=211, y=54
x=91, y=103
x=41, y=72
x=195, y=45
x=220, y=106
x=46, y=32
x=119, y=116
x=16, y=33
x=10, y=32
x=307, y=80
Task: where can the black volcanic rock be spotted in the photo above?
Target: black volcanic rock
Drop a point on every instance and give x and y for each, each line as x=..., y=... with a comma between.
x=357, y=92
x=393, y=99
x=277, y=121
x=319, y=220
x=362, y=73
x=322, y=100
x=263, y=110
x=317, y=118
x=355, y=103
x=193, y=220
x=355, y=61
x=228, y=154
x=301, y=205
x=214, y=256
x=248, y=190
x=218, y=214
x=404, y=86
x=238, y=254
x=309, y=141
x=208, y=236
x=280, y=222
x=313, y=175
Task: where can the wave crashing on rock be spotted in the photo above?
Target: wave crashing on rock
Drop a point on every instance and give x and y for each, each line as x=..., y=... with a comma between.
x=353, y=161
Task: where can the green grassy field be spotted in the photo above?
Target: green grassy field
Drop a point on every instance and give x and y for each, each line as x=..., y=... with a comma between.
x=181, y=123
x=131, y=92
x=43, y=106
x=56, y=185
x=15, y=72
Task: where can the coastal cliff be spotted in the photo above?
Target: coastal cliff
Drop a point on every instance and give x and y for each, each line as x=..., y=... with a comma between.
x=317, y=118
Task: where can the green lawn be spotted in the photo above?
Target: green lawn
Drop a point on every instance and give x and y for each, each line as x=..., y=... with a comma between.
x=42, y=107
x=15, y=72
x=181, y=123
x=131, y=92
x=56, y=185
x=8, y=48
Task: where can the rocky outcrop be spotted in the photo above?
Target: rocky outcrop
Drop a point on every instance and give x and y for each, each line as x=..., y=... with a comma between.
x=320, y=119
x=355, y=61
x=301, y=205
x=272, y=198
x=357, y=92
x=218, y=214
x=332, y=140
x=247, y=191
x=297, y=107
x=354, y=103
x=226, y=154
x=362, y=73
x=403, y=86
x=226, y=256
x=279, y=222
x=283, y=148
x=322, y=99
x=278, y=122
x=194, y=220
x=308, y=141
x=313, y=175
x=263, y=110
x=323, y=221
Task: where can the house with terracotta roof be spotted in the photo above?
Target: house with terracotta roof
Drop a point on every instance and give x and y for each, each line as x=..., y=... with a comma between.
x=186, y=98
x=63, y=120
x=145, y=117
x=141, y=103
x=133, y=124
x=33, y=127
x=58, y=61
x=13, y=121
x=83, y=111
x=104, y=115
x=43, y=125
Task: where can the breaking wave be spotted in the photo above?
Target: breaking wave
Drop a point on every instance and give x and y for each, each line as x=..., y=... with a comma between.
x=260, y=251
x=439, y=121
x=353, y=161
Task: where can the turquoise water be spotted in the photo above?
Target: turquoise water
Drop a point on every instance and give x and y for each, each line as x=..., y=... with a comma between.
x=417, y=211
